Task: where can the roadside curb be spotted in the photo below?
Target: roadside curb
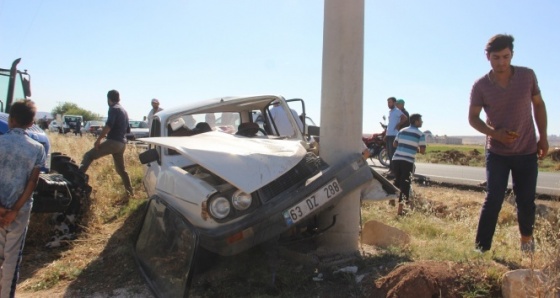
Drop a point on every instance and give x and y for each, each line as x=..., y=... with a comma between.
x=426, y=181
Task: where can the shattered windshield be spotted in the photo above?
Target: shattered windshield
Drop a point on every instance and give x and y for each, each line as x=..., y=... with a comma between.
x=165, y=249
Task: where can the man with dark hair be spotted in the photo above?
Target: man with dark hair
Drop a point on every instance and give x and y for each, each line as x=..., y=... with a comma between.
x=409, y=141
x=115, y=129
x=22, y=158
x=78, y=128
x=400, y=105
x=396, y=119
x=510, y=97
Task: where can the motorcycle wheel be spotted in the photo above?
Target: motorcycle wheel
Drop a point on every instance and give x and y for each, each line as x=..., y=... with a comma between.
x=384, y=158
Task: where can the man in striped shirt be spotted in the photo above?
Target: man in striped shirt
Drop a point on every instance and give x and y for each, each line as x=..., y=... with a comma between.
x=409, y=141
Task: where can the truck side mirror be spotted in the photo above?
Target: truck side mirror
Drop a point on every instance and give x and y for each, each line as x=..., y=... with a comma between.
x=26, y=84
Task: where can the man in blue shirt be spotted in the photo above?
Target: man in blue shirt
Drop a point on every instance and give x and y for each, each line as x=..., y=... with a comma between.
x=22, y=158
x=409, y=141
x=115, y=129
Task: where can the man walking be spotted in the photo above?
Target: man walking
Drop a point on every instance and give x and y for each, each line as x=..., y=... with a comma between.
x=396, y=118
x=115, y=129
x=511, y=97
x=408, y=142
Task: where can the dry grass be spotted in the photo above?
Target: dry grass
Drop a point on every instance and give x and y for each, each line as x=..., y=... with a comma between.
x=446, y=219
x=442, y=226
x=443, y=221
x=104, y=239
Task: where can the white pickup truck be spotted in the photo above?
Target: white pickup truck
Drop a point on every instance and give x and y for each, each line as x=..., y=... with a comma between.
x=219, y=179
x=69, y=123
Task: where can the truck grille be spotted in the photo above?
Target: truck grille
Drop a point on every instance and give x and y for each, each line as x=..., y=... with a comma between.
x=306, y=168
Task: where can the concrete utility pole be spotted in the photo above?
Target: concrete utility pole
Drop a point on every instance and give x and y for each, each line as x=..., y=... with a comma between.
x=341, y=112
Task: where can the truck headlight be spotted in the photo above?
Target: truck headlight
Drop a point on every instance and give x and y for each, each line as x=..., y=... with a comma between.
x=241, y=200
x=219, y=207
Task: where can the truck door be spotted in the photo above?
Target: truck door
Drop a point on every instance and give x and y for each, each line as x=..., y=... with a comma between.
x=153, y=168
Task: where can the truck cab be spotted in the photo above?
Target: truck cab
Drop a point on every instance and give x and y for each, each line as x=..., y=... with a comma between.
x=16, y=85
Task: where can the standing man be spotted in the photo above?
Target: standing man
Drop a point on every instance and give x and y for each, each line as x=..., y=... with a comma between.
x=281, y=121
x=396, y=119
x=22, y=158
x=400, y=106
x=153, y=111
x=511, y=98
x=78, y=128
x=409, y=141
x=115, y=129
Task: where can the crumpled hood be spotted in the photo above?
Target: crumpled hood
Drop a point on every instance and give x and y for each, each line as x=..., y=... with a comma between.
x=246, y=163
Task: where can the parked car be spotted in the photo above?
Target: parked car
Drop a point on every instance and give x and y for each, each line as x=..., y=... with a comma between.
x=54, y=126
x=138, y=129
x=69, y=123
x=220, y=183
x=93, y=127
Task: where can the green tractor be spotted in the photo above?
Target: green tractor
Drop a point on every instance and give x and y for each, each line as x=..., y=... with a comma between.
x=62, y=188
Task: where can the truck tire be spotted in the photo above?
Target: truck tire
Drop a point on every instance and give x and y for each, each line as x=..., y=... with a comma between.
x=69, y=169
x=67, y=217
x=63, y=189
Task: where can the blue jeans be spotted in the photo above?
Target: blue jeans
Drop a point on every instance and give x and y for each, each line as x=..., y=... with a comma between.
x=524, y=172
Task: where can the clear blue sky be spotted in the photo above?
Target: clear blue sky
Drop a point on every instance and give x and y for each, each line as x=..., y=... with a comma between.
x=426, y=52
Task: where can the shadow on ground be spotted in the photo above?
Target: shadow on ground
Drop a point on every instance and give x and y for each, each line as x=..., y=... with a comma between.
x=114, y=268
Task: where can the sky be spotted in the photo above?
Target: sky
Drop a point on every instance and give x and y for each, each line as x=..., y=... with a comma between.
x=428, y=53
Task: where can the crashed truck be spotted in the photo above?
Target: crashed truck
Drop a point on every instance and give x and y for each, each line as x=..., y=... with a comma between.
x=220, y=180
x=61, y=188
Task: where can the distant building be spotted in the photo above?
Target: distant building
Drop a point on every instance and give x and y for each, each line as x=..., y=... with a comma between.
x=430, y=138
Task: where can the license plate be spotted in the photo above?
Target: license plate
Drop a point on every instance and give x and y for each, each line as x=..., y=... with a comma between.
x=312, y=202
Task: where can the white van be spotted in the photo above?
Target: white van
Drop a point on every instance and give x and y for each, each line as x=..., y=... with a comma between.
x=69, y=122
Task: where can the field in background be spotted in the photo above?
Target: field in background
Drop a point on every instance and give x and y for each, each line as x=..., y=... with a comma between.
x=472, y=155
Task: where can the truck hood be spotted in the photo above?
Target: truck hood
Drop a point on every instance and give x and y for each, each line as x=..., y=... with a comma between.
x=246, y=163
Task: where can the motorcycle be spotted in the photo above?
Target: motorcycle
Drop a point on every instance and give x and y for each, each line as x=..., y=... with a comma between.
x=376, y=146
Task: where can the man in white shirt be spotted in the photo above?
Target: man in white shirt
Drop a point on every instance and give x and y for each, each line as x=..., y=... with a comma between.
x=153, y=111
x=280, y=118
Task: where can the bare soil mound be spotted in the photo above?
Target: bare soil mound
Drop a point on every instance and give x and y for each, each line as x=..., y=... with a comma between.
x=422, y=279
x=457, y=157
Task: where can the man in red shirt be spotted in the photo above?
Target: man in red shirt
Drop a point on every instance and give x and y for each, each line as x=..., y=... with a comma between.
x=510, y=97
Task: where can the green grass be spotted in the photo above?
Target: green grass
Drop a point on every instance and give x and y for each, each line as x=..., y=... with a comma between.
x=433, y=147
x=465, y=155
x=470, y=155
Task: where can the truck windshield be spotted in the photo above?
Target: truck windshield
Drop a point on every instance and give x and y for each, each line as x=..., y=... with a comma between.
x=71, y=119
x=18, y=92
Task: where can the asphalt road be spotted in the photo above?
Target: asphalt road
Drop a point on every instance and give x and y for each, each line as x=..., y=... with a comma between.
x=548, y=183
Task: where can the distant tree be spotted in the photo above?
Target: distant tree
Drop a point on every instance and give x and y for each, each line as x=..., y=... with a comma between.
x=73, y=109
